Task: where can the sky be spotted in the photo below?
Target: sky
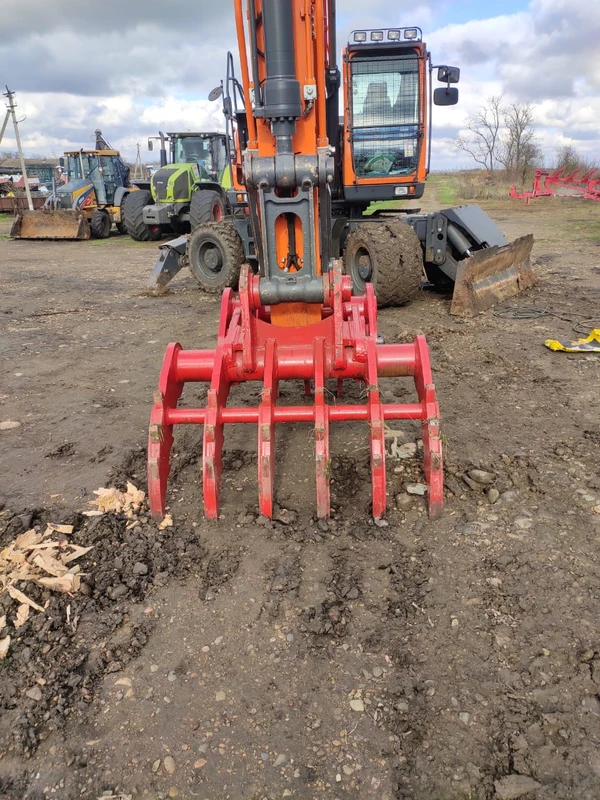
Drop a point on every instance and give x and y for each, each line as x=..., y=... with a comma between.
x=138, y=66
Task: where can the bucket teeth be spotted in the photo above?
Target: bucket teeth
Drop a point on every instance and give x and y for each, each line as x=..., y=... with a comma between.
x=342, y=346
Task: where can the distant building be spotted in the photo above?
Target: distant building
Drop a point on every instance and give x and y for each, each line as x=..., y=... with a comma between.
x=41, y=168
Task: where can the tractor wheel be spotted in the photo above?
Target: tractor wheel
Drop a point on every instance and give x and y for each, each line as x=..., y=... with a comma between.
x=100, y=224
x=133, y=216
x=388, y=255
x=121, y=227
x=206, y=206
x=215, y=253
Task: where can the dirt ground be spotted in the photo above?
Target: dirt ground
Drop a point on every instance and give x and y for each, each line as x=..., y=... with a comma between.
x=253, y=660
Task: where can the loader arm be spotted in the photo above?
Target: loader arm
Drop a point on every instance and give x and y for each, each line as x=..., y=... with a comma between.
x=295, y=318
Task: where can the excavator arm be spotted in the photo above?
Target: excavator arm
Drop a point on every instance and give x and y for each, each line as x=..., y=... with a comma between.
x=295, y=317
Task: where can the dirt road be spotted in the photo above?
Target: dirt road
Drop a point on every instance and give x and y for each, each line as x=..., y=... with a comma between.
x=253, y=659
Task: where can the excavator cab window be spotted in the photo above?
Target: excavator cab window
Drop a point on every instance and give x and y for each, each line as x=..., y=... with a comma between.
x=385, y=116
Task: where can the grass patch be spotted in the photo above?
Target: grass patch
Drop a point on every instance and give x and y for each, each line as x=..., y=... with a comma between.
x=446, y=188
x=384, y=205
x=586, y=230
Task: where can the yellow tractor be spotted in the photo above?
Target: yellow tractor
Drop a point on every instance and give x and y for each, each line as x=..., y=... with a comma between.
x=88, y=204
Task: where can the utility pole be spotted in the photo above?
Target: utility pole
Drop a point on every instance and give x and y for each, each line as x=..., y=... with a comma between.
x=10, y=112
x=138, y=169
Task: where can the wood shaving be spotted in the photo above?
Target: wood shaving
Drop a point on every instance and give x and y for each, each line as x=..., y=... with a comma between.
x=16, y=594
x=4, y=645
x=22, y=615
x=58, y=528
x=112, y=501
x=33, y=557
x=65, y=583
x=166, y=523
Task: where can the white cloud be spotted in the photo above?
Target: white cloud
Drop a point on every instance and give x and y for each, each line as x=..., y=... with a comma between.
x=143, y=66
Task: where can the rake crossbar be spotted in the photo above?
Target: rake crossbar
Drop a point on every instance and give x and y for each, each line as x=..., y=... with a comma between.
x=342, y=346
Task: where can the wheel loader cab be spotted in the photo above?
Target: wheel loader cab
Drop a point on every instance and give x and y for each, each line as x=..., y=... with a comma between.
x=93, y=179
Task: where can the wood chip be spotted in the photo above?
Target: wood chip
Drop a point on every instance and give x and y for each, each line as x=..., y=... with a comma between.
x=64, y=583
x=113, y=501
x=50, y=565
x=58, y=528
x=22, y=615
x=27, y=539
x=4, y=645
x=166, y=523
x=76, y=553
x=22, y=598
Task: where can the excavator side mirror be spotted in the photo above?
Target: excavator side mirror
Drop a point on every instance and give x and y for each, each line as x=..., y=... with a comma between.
x=448, y=74
x=445, y=96
x=150, y=144
x=216, y=93
x=61, y=161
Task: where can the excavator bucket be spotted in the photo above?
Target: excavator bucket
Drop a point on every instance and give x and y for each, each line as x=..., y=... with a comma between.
x=46, y=223
x=492, y=275
x=342, y=346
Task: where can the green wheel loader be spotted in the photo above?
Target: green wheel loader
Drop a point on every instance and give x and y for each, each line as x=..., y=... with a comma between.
x=188, y=190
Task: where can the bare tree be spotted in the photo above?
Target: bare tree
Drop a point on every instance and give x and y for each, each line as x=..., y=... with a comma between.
x=518, y=151
x=6, y=154
x=571, y=160
x=483, y=140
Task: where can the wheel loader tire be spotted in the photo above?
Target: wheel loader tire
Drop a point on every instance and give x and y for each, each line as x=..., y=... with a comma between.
x=120, y=226
x=388, y=255
x=100, y=224
x=206, y=206
x=215, y=253
x=133, y=217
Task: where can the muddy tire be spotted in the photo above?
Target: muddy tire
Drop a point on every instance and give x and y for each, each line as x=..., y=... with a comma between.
x=388, y=255
x=100, y=224
x=215, y=253
x=133, y=216
x=206, y=206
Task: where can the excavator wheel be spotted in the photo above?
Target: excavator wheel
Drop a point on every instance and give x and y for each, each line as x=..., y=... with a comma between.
x=100, y=224
x=206, y=206
x=133, y=217
x=216, y=254
x=388, y=255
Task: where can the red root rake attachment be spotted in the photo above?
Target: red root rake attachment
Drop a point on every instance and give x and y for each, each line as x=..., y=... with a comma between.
x=342, y=346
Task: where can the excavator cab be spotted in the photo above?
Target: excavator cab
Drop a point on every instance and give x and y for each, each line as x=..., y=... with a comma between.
x=385, y=125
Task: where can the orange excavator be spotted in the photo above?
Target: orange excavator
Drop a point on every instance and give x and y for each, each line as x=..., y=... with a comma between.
x=305, y=178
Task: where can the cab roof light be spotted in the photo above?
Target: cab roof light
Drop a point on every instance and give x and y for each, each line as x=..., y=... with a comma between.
x=376, y=36
x=411, y=33
x=393, y=35
x=360, y=36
